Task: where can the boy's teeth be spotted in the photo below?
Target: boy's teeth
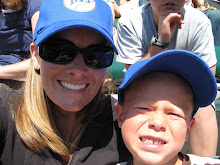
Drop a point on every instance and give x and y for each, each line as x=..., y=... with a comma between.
x=150, y=141
x=71, y=86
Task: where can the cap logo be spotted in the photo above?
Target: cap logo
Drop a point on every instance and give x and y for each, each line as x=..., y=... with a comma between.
x=80, y=5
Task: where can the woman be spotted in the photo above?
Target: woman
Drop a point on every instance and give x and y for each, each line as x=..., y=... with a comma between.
x=62, y=116
x=17, y=22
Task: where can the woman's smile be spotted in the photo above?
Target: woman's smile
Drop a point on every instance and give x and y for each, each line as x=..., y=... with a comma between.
x=73, y=86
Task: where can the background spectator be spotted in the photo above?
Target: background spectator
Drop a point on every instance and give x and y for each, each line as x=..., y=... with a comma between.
x=17, y=22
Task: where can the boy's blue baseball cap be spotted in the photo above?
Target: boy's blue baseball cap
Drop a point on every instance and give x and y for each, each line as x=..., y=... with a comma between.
x=183, y=63
x=57, y=15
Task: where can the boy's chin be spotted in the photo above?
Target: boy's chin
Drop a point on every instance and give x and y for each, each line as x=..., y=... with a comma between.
x=155, y=159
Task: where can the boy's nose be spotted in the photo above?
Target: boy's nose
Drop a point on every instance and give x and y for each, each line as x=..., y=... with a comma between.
x=158, y=122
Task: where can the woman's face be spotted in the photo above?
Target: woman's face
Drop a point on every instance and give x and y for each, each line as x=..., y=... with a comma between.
x=72, y=86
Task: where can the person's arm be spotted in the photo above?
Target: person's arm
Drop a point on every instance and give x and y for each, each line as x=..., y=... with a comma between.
x=166, y=27
x=116, y=10
x=207, y=145
x=123, y=2
x=14, y=71
x=34, y=19
x=213, y=68
x=130, y=47
x=18, y=70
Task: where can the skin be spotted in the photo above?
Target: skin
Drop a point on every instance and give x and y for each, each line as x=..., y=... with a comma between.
x=69, y=101
x=156, y=113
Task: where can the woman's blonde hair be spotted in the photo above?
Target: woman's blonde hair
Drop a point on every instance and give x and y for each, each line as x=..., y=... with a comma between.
x=34, y=121
x=15, y=4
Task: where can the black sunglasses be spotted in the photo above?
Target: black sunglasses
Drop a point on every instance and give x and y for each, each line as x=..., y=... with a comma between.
x=59, y=51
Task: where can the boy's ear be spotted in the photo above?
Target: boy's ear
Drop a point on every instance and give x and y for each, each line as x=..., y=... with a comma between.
x=34, y=56
x=119, y=112
x=191, y=123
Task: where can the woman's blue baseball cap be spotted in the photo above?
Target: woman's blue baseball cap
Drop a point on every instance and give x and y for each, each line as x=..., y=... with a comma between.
x=183, y=63
x=57, y=15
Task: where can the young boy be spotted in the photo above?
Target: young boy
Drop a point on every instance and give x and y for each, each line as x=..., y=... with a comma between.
x=157, y=101
x=164, y=25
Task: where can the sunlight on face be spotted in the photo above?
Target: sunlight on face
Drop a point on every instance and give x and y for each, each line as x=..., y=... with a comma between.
x=71, y=87
x=155, y=117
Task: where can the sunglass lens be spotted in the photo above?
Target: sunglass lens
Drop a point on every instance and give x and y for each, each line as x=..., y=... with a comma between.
x=57, y=52
x=98, y=59
x=64, y=55
x=63, y=52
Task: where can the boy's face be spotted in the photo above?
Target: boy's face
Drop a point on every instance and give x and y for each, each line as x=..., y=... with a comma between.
x=156, y=117
x=164, y=7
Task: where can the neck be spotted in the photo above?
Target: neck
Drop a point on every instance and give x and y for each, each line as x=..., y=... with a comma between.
x=66, y=123
x=156, y=19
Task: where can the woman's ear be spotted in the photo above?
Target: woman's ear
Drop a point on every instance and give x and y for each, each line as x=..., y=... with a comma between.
x=191, y=123
x=119, y=112
x=34, y=56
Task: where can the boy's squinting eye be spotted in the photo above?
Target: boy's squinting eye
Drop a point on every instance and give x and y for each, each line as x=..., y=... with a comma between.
x=143, y=109
x=175, y=114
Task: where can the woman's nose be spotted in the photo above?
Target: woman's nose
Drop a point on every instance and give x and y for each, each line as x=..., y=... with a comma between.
x=77, y=67
x=158, y=122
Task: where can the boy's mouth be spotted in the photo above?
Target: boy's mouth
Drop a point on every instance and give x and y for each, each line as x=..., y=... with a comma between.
x=152, y=141
x=169, y=4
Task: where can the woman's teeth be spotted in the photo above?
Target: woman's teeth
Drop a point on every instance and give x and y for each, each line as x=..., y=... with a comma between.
x=71, y=86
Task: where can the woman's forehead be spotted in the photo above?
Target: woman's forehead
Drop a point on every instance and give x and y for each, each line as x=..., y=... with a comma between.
x=82, y=36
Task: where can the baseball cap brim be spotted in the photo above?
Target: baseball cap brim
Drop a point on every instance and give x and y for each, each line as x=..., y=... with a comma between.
x=66, y=24
x=93, y=14
x=183, y=63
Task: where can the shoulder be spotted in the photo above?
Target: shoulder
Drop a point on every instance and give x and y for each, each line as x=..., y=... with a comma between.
x=203, y=160
x=33, y=6
x=194, y=14
x=195, y=20
x=134, y=15
x=34, y=3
